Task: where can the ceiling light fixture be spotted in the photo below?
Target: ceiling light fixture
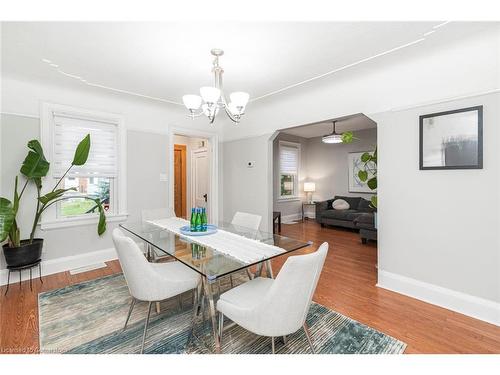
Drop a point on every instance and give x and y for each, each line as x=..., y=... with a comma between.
x=212, y=98
x=333, y=137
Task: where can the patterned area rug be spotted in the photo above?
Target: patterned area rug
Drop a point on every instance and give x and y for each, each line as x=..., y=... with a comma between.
x=88, y=318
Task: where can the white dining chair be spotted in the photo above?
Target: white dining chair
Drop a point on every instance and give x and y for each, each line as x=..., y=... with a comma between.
x=244, y=221
x=154, y=214
x=275, y=307
x=150, y=282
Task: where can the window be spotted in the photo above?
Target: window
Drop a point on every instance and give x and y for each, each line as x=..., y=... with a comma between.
x=289, y=160
x=101, y=177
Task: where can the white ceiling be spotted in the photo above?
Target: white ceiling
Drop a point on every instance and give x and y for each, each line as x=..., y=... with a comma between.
x=167, y=60
x=348, y=123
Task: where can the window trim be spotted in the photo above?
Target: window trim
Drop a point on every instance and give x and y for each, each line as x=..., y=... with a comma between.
x=296, y=195
x=50, y=219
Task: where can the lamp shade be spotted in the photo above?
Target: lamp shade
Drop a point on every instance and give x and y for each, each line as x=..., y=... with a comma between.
x=191, y=102
x=210, y=94
x=309, y=187
x=332, y=138
x=239, y=99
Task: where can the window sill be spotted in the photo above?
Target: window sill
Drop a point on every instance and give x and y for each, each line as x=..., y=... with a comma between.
x=79, y=221
x=290, y=199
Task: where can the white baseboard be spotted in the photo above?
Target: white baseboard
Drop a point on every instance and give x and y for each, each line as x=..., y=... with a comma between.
x=52, y=266
x=466, y=304
x=288, y=218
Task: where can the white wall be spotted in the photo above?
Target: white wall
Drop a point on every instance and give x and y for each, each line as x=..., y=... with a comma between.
x=440, y=227
x=419, y=75
x=247, y=189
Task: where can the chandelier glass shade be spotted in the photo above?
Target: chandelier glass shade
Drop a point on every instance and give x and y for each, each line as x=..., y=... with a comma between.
x=212, y=98
x=333, y=137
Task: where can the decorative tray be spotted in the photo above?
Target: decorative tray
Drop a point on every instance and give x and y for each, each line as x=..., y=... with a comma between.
x=186, y=230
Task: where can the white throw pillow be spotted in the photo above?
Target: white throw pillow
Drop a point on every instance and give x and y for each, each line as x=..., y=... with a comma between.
x=340, y=204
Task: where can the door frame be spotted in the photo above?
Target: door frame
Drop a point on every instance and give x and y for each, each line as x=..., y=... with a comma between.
x=213, y=154
x=183, y=150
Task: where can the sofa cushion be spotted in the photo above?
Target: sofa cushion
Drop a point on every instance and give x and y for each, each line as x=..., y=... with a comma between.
x=365, y=206
x=340, y=204
x=348, y=215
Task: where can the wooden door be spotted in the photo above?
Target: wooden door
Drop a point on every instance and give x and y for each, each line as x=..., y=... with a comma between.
x=180, y=187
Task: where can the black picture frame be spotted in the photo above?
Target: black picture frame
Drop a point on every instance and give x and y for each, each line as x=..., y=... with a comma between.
x=479, y=164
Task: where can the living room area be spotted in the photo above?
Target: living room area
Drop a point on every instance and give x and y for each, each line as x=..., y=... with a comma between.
x=325, y=172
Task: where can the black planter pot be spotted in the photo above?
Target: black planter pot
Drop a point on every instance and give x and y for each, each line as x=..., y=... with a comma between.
x=25, y=254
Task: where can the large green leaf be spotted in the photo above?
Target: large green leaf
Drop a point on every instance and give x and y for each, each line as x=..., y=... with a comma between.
x=35, y=165
x=363, y=175
x=101, y=226
x=82, y=151
x=374, y=201
x=7, y=216
x=347, y=137
x=372, y=183
x=54, y=195
x=366, y=157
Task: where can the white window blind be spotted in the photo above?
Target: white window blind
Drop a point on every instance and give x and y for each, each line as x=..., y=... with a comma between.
x=289, y=159
x=69, y=130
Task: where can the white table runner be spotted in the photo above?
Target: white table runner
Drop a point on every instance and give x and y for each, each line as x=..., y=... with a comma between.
x=241, y=248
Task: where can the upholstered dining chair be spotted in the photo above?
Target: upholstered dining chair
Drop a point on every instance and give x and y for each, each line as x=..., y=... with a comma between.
x=275, y=307
x=150, y=282
x=244, y=221
x=153, y=214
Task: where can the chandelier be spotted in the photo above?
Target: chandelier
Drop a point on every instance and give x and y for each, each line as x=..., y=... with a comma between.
x=333, y=137
x=212, y=98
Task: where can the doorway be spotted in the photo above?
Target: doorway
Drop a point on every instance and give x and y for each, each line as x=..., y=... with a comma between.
x=193, y=171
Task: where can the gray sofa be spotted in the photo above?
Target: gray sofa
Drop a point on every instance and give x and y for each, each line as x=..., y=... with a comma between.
x=358, y=216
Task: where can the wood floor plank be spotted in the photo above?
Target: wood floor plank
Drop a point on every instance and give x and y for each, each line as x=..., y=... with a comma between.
x=347, y=285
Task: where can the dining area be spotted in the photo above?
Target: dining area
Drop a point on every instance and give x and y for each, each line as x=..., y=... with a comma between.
x=226, y=276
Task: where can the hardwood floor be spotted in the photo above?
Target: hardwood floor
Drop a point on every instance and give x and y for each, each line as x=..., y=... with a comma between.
x=347, y=285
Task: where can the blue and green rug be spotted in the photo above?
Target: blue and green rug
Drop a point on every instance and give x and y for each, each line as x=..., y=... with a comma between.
x=88, y=318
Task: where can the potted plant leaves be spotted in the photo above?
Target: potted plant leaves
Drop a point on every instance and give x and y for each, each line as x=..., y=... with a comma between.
x=34, y=168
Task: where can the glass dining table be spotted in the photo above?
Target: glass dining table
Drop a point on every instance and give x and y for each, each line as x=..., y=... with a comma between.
x=212, y=264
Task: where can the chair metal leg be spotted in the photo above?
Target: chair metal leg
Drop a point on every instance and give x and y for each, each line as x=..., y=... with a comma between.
x=308, y=335
x=196, y=307
x=249, y=274
x=272, y=344
x=158, y=309
x=31, y=285
x=179, y=299
x=132, y=304
x=221, y=327
x=146, y=327
x=269, y=269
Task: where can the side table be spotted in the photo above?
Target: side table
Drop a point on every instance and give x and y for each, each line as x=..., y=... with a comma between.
x=306, y=204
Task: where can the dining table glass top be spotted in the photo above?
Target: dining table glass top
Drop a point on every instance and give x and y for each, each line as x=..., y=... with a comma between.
x=208, y=261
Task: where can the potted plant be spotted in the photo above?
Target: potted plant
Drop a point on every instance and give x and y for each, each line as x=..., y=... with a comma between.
x=369, y=175
x=23, y=252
